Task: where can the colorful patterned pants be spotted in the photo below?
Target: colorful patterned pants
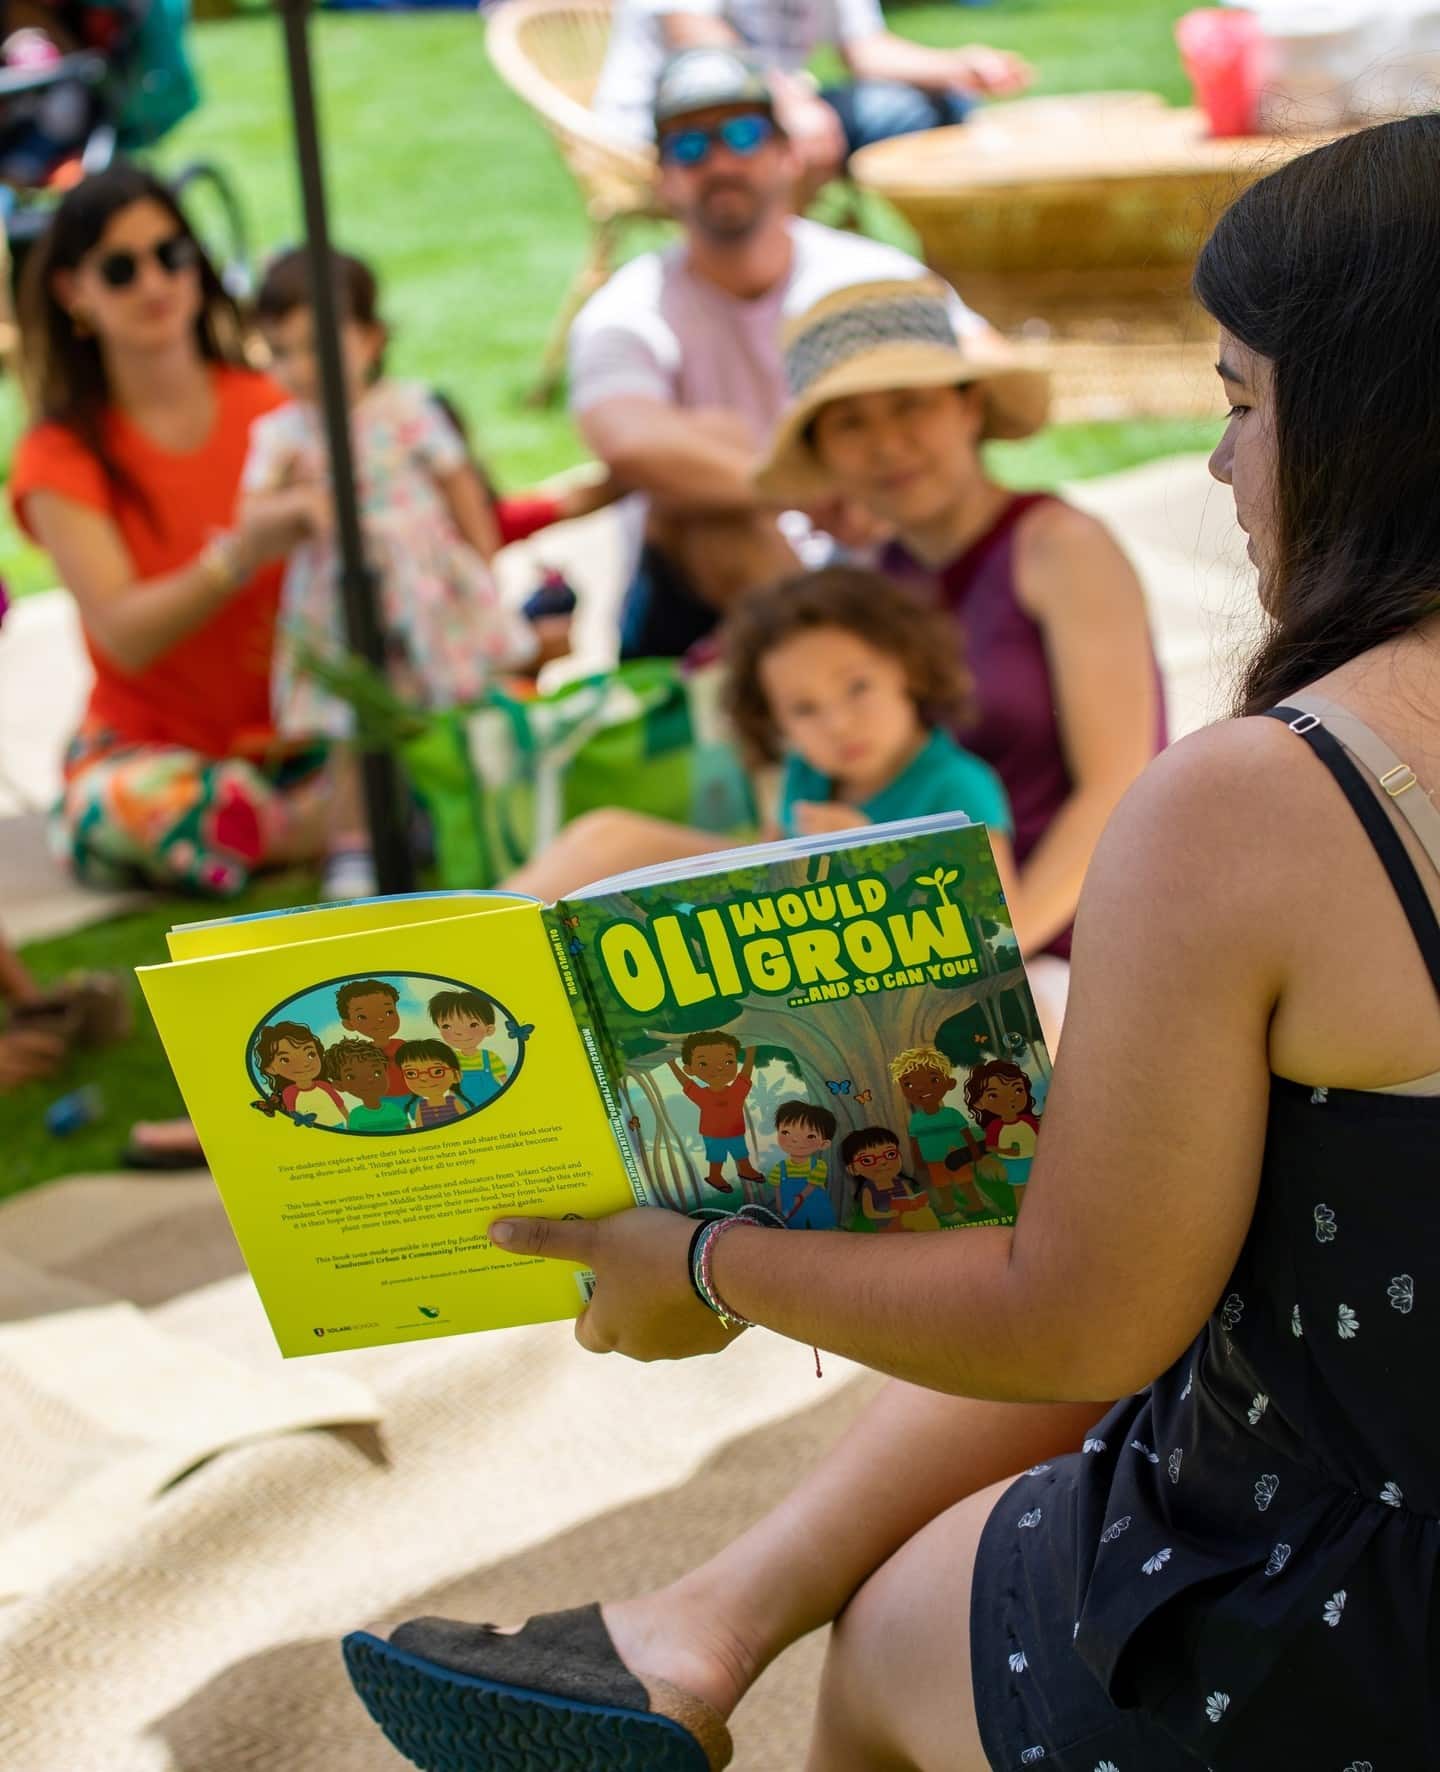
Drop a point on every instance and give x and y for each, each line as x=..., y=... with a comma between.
x=161, y=816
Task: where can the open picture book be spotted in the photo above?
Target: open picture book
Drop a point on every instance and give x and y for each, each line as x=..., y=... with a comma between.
x=833, y=1033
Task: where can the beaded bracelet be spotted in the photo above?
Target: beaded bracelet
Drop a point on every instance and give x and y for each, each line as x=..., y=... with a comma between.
x=700, y=1230
x=702, y=1246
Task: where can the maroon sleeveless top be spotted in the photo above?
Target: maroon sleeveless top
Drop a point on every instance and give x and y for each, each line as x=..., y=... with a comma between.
x=1017, y=732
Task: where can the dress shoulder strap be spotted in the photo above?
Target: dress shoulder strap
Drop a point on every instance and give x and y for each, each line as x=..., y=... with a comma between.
x=1394, y=857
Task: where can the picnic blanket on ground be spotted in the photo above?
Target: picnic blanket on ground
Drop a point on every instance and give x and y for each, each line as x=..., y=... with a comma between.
x=188, y=1524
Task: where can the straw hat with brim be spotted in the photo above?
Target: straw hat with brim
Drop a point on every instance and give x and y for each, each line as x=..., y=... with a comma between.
x=873, y=337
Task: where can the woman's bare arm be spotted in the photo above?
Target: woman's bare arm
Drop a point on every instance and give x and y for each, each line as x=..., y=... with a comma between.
x=1074, y=580
x=1145, y=1179
x=135, y=622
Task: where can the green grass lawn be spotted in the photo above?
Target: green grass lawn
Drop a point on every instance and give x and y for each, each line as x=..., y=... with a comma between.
x=442, y=177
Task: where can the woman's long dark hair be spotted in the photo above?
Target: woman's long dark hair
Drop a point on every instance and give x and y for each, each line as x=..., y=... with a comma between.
x=1330, y=267
x=64, y=369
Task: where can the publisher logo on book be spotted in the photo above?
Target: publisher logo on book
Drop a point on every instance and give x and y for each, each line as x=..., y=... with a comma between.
x=343, y=1328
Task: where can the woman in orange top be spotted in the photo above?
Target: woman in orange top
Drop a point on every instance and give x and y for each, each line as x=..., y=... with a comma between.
x=129, y=482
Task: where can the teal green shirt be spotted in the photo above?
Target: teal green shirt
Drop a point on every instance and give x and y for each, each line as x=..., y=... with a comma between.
x=939, y=1133
x=388, y=1117
x=940, y=778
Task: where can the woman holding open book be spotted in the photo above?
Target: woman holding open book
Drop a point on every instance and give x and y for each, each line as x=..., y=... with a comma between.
x=1232, y=1222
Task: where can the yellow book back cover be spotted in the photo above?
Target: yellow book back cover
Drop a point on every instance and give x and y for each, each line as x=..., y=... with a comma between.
x=368, y=1103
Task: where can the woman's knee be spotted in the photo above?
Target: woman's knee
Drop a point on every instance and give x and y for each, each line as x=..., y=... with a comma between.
x=897, y=1691
x=172, y=818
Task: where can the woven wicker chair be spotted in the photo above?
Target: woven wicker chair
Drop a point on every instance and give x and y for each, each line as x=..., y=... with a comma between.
x=550, y=52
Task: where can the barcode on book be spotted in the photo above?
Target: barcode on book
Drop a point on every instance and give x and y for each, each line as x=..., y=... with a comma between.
x=585, y=1280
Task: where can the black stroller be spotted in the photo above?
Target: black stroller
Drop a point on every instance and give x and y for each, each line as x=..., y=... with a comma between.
x=83, y=80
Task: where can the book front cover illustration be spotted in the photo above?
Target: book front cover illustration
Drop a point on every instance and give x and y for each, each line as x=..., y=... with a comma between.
x=845, y=1040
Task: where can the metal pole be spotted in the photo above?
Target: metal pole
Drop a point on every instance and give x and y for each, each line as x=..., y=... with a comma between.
x=359, y=588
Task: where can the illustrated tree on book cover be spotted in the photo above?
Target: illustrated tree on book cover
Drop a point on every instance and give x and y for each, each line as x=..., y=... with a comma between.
x=836, y=1054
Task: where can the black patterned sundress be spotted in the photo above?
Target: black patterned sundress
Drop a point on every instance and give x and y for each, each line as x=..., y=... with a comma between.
x=1241, y=1568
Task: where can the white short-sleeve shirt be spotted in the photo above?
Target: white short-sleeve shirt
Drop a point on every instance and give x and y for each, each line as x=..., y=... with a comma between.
x=784, y=34
x=659, y=331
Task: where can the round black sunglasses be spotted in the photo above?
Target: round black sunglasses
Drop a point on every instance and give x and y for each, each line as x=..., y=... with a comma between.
x=176, y=253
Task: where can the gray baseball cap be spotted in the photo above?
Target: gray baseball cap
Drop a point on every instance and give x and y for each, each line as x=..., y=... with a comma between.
x=699, y=79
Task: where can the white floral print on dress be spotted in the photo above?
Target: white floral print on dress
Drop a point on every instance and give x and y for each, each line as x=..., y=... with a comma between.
x=1265, y=1490
x=1112, y=1532
x=1295, y=1328
x=1032, y=1756
x=1279, y=1557
x=1346, y=1323
x=1216, y=1705
x=1018, y=1663
x=1175, y=1460
x=1401, y=1292
x=1189, y=1382
x=1392, y=1495
x=1335, y=1608
x=1037, y=1470
x=1359, y=1766
x=1231, y=1311
x=1259, y=1403
x=1093, y=1445
x=1324, y=1224
x=1107, y=1766
x=1030, y=1519
x=1144, y=1451
x=1153, y=1565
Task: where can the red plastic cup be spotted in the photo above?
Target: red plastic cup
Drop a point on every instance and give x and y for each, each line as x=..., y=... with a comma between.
x=1223, y=55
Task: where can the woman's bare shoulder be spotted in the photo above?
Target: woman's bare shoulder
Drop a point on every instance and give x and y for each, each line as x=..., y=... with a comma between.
x=1233, y=815
x=1061, y=550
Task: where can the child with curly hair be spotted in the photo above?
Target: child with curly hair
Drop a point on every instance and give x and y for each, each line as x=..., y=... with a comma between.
x=849, y=683
x=999, y=1095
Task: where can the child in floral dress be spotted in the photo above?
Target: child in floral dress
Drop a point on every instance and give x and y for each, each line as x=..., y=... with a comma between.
x=429, y=532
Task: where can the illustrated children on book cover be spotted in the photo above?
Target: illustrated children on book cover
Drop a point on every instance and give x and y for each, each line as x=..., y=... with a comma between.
x=315, y=1070
x=886, y=1198
x=943, y=1140
x=871, y=977
x=432, y=1075
x=293, y=1061
x=711, y=1074
x=359, y=1068
x=1001, y=1097
x=465, y=1021
x=801, y=1177
x=370, y=1009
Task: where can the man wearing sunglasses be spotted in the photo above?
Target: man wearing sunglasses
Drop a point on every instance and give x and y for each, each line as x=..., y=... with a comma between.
x=895, y=87
x=676, y=371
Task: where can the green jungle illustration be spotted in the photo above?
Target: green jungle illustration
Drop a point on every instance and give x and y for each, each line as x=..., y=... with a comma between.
x=843, y=1041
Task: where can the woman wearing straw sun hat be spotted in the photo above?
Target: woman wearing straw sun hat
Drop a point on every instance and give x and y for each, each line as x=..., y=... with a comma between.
x=888, y=412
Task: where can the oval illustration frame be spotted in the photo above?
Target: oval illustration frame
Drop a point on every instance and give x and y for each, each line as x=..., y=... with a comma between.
x=503, y=1019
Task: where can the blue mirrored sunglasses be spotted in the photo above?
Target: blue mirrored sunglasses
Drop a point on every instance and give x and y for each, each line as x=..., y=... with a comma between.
x=742, y=135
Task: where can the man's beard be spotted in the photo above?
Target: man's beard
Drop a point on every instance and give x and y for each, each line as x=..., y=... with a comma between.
x=730, y=220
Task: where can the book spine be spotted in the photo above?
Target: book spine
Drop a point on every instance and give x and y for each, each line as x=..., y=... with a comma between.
x=590, y=1028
